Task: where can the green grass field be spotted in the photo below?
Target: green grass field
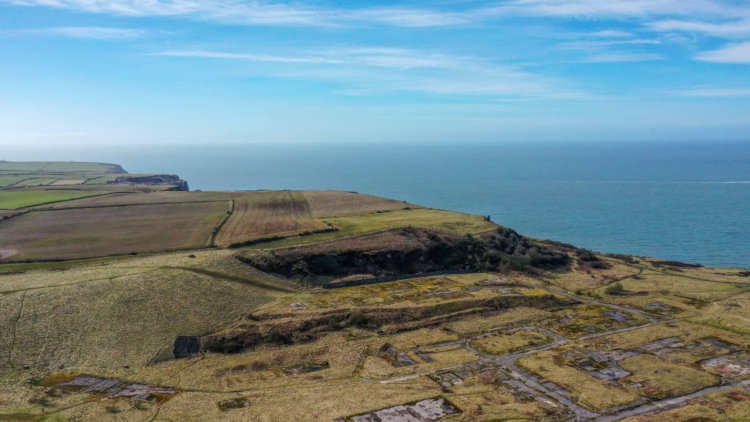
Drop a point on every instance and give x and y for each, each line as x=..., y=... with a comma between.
x=9, y=180
x=57, y=167
x=11, y=200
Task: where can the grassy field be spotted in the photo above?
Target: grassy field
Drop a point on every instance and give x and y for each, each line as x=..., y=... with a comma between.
x=105, y=316
x=26, y=198
x=369, y=223
x=92, y=232
x=265, y=213
x=57, y=167
x=661, y=379
x=35, y=182
x=338, y=204
x=588, y=391
x=127, y=197
x=503, y=344
x=6, y=181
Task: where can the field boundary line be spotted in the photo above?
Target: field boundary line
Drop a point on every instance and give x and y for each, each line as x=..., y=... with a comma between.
x=217, y=230
x=283, y=236
x=115, y=205
x=229, y=277
x=334, y=229
x=125, y=255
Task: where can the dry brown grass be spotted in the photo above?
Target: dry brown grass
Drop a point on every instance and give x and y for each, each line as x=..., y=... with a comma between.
x=507, y=318
x=588, y=391
x=506, y=343
x=97, y=319
x=731, y=405
x=325, y=203
x=91, y=232
x=263, y=214
x=662, y=379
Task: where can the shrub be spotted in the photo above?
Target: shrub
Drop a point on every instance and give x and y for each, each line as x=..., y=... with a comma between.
x=615, y=289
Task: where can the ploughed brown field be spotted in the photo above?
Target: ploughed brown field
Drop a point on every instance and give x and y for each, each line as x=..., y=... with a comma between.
x=93, y=232
x=326, y=203
x=264, y=213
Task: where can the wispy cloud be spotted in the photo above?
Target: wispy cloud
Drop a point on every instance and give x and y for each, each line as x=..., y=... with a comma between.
x=716, y=92
x=297, y=13
x=729, y=29
x=371, y=70
x=81, y=32
x=261, y=13
x=620, y=8
x=394, y=58
x=611, y=33
x=250, y=57
x=622, y=57
x=735, y=53
x=598, y=44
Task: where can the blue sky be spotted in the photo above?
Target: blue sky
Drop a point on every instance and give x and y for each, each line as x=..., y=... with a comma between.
x=225, y=71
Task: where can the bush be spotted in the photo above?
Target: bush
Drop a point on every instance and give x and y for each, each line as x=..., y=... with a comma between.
x=615, y=289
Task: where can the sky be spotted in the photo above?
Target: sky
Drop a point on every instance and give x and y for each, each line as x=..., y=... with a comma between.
x=96, y=72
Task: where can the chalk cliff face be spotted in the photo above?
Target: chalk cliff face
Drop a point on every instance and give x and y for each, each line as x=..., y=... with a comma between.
x=153, y=179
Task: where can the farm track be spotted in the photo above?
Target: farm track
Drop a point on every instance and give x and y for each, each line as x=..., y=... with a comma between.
x=217, y=230
x=15, y=329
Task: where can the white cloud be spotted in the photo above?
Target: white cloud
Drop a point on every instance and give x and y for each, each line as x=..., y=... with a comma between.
x=620, y=8
x=394, y=58
x=592, y=45
x=299, y=13
x=611, y=33
x=716, y=92
x=82, y=32
x=383, y=70
x=735, y=28
x=265, y=58
x=622, y=57
x=734, y=53
x=259, y=12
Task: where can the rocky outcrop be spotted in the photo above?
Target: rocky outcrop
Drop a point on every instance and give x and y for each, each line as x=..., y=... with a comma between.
x=409, y=251
x=153, y=179
x=280, y=329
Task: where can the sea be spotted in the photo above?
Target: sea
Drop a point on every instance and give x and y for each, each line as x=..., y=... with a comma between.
x=684, y=201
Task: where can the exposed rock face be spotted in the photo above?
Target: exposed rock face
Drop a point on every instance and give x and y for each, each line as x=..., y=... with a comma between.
x=186, y=346
x=153, y=179
x=279, y=329
x=409, y=251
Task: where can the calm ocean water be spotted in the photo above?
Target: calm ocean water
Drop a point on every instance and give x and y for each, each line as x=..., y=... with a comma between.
x=681, y=201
